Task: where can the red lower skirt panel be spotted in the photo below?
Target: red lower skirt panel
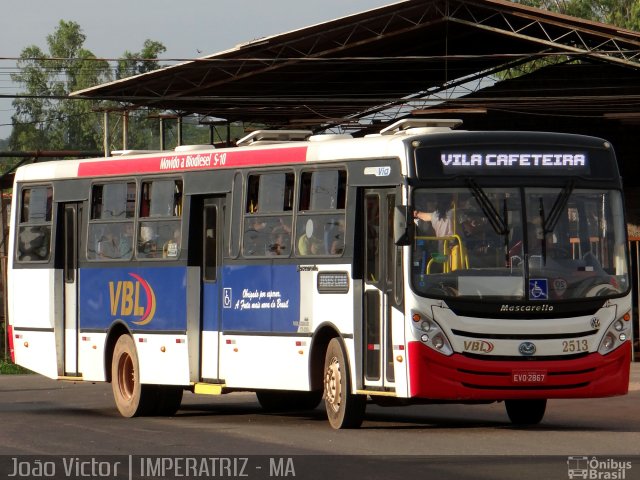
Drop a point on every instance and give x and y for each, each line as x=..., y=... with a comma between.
x=438, y=377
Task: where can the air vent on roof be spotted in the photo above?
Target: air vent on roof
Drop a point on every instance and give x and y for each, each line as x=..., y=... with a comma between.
x=191, y=148
x=421, y=125
x=124, y=153
x=263, y=137
x=329, y=136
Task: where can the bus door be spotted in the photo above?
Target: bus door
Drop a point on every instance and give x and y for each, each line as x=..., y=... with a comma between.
x=70, y=224
x=213, y=298
x=379, y=260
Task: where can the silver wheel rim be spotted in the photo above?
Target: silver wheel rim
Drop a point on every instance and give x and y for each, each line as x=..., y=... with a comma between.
x=332, y=389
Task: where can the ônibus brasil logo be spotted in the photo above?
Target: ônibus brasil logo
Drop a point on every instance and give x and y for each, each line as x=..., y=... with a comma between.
x=126, y=302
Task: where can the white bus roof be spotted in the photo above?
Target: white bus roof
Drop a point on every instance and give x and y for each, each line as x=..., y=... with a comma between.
x=256, y=154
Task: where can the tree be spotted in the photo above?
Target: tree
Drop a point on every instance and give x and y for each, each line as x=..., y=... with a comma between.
x=45, y=117
x=140, y=62
x=621, y=13
x=141, y=129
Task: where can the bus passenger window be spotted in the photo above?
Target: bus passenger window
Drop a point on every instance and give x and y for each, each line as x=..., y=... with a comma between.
x=323, y=190
x=34, y=232
x=110, y=231
x=320, y=225
x=270, y=192
x=159, y=239
x=320, y=235
x=253, y=184
x=161, y=198
x=268, y=219
x=114, y=242
x=267, y=236
x=113, y=201
x=159, y=234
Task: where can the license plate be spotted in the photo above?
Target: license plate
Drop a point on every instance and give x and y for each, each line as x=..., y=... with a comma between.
x=528, y=376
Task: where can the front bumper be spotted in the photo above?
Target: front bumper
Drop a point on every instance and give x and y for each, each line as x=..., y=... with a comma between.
x=434, y=376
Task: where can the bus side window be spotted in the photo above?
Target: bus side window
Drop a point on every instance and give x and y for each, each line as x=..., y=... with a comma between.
x=161, y=198
x=110, y=230
x=159, y=228
x=268, y=219
x=320, y=224
x=34, y=232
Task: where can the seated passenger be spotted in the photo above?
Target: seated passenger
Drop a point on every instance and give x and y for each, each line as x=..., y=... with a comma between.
x=309, y=245
x=309, y=242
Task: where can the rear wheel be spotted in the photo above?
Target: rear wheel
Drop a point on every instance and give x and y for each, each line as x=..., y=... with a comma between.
x=167, y=400
x=525, y=412
x=344, y=410
x=132, y=398
x=283, y=401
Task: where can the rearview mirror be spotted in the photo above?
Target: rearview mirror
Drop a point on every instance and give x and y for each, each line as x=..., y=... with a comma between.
x=402, y=225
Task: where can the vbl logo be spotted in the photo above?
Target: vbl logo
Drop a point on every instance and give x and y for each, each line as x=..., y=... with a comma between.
x=125, y=299
x=481, y=346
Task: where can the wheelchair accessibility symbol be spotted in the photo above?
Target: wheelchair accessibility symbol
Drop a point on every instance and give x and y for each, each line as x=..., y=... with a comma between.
x=226, y=298
x=538, y=289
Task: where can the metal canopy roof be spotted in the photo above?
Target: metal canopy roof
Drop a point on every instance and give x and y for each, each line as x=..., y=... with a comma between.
x=352, y=67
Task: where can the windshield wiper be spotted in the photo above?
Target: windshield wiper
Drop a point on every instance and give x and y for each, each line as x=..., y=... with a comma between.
x=498, y=223
x=549, y=223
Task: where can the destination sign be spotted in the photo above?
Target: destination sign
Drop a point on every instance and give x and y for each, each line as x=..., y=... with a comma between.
x=502, y=160
x=575, y=161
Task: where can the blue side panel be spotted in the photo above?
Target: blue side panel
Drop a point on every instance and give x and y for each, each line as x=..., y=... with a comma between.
x=210, y=320
x=261, y=298
x=144, y=298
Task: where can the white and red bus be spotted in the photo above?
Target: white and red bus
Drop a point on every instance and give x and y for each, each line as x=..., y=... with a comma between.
x=305, y=270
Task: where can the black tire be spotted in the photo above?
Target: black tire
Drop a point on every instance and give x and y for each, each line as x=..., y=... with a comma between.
x=132, y=398
x=344, y=410
x=287, y=401
x=525, y=412
x=167, y=400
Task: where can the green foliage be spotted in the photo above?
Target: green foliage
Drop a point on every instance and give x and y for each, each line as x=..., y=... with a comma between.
x=624, y=13
x=45, y=117
x=621, y=13
x=140, y=62
x=8, y=368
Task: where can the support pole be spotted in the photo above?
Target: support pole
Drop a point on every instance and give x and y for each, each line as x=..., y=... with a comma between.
x=161, y=133
x=105, y=144
x=125, y=130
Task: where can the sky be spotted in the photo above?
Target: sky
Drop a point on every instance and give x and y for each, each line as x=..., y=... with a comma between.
x=188, y=28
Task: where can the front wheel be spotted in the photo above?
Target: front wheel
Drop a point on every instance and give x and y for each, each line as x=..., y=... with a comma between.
x=525, y=412
x=344, y=410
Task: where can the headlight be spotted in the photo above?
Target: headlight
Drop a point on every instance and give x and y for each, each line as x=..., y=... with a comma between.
x=617, y=333
x=430, y=333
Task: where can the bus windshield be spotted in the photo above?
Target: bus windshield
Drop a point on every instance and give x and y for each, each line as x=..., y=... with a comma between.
x=519, y=244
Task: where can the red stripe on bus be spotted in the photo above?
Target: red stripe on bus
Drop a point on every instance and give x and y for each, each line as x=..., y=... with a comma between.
x=11, y=350
x=179, y=162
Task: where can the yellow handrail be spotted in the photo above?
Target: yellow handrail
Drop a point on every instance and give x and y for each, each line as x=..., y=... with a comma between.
x=452, y=261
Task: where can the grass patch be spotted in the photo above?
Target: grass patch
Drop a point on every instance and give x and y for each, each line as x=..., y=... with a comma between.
x=8, y=368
